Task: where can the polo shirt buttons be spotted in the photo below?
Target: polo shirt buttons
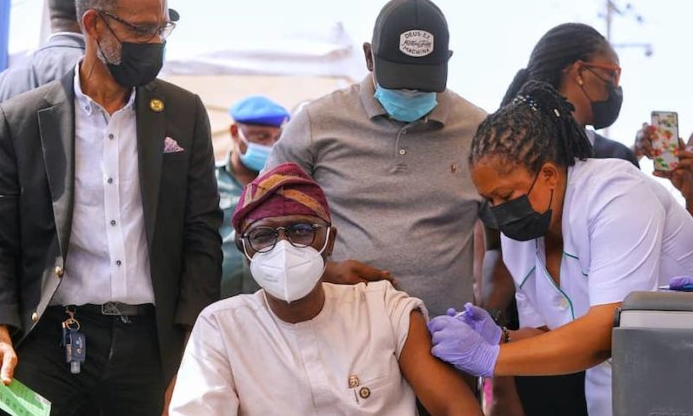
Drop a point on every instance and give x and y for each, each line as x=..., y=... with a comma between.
x=365, y=392
x=59, y=271
x=402, y=152
x=563, y=303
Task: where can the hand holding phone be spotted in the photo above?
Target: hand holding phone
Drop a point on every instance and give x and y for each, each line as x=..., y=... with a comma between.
x=665, y=139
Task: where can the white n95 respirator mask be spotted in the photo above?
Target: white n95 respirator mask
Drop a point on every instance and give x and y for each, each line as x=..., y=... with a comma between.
x=287, y=272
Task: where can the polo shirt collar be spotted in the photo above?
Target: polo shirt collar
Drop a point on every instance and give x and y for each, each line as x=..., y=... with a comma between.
x=374, y=108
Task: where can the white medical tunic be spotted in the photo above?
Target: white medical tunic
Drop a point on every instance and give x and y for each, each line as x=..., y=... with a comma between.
x=622, y=232
x=243, y=360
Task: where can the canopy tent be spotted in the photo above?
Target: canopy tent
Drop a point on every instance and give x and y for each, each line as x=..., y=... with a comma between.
x=290, y=61
x=290, y=70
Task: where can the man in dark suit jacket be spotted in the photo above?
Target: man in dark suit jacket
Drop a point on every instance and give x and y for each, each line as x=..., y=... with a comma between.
x=108, y=215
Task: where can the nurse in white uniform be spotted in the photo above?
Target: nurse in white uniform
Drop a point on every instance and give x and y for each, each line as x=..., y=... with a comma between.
x=579, y=234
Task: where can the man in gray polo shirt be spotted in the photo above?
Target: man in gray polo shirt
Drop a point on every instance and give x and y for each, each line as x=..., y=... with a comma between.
x=391, y=155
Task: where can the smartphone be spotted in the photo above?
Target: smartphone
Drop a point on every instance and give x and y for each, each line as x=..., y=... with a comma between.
x=665, y=140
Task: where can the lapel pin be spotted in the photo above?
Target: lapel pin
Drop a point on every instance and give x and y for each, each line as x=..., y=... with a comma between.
x=156, y=105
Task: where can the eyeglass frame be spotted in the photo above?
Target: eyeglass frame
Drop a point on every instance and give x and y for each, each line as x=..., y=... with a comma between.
x=163, y=31
x=275, y=230
x=615, y=69
x=264, y=141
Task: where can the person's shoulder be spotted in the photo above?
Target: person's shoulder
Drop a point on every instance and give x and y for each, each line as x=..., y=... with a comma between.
x=357, y=290
x=373, y=291
x=607, y=148
x=603, y=170
x=334, y=101
x=170, y=90
x=36, y=99
x=234, y=306
x=595, y=183
x=375, y=296
x=460, y=106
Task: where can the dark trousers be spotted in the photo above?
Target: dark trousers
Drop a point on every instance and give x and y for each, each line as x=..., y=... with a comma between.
x=549, y=395
x=120, y=376
x=553, y=395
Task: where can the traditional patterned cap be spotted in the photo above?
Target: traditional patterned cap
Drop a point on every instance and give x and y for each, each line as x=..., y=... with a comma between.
x=284, y=190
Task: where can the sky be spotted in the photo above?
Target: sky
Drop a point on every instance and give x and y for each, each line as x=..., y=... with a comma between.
x=491, y=40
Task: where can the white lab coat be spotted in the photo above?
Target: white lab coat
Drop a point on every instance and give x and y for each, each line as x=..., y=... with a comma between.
x=622, y=232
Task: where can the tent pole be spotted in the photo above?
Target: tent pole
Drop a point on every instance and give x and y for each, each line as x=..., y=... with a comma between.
x=4, y=32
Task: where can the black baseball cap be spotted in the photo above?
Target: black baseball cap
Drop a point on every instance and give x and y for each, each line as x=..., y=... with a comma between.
x=410, y=46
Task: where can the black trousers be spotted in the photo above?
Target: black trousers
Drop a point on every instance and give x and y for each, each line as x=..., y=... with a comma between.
x=549, y=395
x=120, y=376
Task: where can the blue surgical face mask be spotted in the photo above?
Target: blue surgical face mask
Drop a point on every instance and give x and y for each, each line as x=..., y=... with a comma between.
x=255, y=155
x=405, y=105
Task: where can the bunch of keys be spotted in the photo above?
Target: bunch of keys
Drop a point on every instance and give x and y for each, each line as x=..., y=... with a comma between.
x=74, y=342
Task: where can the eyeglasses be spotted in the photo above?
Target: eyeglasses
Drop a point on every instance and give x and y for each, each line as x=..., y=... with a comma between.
x=614, y=71
x=300, y=234
x=141, y=33
x=267, y=136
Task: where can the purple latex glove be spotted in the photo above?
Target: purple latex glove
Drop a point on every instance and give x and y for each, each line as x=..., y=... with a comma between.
x=480, y=321
x=681, y=283
x=460, y=345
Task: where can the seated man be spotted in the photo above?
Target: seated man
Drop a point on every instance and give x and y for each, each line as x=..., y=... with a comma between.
x=302, y=347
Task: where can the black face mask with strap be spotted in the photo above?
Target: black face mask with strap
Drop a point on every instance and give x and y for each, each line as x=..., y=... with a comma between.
x=605, y=113
x=519, y=221
x=139, y=65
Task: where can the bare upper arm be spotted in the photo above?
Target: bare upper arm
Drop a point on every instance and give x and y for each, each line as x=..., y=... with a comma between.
x=437, y=385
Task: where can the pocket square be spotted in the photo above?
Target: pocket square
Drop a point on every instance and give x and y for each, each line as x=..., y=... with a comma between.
x=171, y=146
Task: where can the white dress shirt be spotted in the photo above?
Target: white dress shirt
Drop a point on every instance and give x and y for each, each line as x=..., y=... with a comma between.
x=622, y=232
x=241, y=359
x=107, y=258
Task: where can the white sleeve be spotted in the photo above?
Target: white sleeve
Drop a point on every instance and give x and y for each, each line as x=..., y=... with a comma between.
x=399, y=306
x=625, y=226
x=204, y=384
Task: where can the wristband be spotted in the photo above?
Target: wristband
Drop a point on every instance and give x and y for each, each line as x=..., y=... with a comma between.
x=506, y=335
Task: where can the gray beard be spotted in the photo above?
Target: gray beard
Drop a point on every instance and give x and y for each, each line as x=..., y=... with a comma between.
x=108, y=54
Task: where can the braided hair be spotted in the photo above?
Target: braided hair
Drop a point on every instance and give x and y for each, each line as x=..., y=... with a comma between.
x=536, y=127
x=558, y=48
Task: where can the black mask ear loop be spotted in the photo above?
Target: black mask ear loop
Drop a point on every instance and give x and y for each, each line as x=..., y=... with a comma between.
x=532, y=187
x=98, y=43
x=582, y=88
x=550, y=201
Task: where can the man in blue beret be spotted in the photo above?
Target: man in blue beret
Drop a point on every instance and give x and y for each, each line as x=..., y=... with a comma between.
x=257, y=124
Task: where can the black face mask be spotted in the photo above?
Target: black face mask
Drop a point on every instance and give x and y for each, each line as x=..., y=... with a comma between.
x=519, y=221
x=605, y=113
x=140, y=63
